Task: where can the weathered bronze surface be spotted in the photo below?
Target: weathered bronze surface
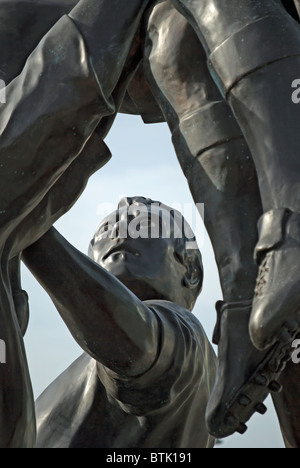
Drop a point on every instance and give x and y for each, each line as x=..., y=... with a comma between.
x=221, y=77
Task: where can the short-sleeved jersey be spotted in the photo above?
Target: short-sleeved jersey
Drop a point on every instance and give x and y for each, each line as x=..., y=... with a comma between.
x=89, y=406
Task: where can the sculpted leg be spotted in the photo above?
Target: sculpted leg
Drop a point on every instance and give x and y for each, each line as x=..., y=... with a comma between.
x=247, y=98
x=258, y=88
x=209, y=145
x=220, y=171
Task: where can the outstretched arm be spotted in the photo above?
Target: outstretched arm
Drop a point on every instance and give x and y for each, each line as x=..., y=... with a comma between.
x=105, y=318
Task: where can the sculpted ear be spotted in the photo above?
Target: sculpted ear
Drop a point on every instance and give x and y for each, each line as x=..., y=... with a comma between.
x=191, y=259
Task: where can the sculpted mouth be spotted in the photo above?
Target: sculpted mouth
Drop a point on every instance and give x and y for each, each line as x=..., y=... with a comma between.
x=121, y=249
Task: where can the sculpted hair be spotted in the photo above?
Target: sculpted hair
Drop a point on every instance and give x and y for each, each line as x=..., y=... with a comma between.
x=186, y=248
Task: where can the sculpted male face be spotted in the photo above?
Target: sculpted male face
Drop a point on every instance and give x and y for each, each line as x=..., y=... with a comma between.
x=138, y=245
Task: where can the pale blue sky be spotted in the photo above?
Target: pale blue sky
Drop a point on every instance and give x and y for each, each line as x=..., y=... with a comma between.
x=144, y=163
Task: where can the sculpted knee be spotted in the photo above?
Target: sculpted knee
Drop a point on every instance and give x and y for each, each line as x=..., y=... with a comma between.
x=170, y=63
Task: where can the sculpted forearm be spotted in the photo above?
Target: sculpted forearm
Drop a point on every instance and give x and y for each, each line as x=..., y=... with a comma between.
x=95, y=306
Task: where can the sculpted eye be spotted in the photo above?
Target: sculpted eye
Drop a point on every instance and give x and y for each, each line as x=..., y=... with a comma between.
x=103, y=228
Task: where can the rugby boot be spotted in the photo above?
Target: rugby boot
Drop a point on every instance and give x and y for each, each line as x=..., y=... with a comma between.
x=275, y=313
x=245, y=375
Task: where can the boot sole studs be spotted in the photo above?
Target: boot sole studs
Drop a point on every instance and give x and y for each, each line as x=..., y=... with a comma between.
x=249, y=400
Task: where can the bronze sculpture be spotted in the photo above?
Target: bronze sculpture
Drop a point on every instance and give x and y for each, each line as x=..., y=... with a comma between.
x=240, y=79
x=30, y=169
x=148, y=369
x=257, y=88
x=220, y=171
x=219, y=168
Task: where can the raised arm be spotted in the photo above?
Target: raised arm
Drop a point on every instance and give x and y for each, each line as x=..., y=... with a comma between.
x=105, y=318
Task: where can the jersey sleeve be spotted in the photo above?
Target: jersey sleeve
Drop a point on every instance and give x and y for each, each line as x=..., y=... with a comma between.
x=179, y=367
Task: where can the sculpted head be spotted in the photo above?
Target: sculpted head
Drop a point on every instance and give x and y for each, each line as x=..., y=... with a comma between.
x=144, y=244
